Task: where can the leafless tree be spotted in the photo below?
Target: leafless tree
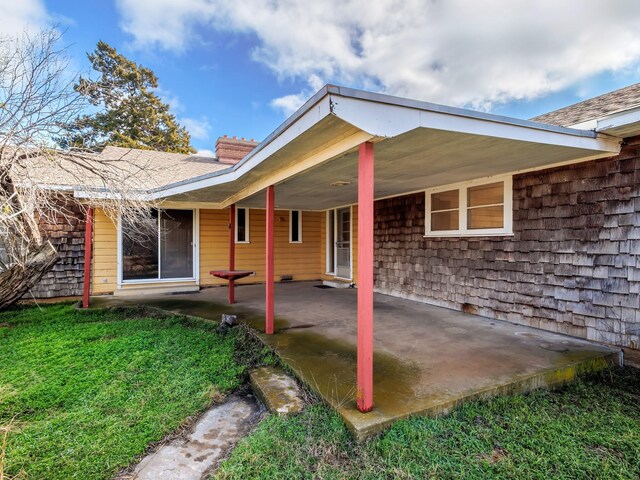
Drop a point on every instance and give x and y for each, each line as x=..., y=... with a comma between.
x=37, y=100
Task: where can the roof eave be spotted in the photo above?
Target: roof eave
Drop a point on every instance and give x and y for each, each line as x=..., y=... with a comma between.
x=386, y=116
x=622, y=124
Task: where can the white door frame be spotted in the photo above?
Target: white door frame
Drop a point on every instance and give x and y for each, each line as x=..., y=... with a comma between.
x=335, y=243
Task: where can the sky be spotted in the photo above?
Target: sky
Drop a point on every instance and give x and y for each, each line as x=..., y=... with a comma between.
x=242, y=67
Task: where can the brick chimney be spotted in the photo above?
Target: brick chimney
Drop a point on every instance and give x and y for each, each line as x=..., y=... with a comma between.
x=231, y=149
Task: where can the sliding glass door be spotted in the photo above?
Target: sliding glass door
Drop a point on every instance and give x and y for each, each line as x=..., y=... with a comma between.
x=176, y=244
x=163, y=250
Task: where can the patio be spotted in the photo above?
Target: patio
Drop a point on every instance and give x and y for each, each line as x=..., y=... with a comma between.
x=427, y=359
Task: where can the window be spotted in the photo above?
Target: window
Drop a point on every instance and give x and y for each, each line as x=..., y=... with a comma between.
x=162, y=249
x=445, y=210
x=485, y=206
x=295, y=226
x=470, y=208
x=242, y=225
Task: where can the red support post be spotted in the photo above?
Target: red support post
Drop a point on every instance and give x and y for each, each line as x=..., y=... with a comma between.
x=88, y=240
x=364, y=393
x=232, y=251
x=269, y=271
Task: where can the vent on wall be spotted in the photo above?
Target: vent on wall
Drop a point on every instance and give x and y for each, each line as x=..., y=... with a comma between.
x=286, y=278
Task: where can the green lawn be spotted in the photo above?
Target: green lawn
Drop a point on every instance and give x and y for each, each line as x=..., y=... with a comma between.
x=88, y=391
x=588, y=430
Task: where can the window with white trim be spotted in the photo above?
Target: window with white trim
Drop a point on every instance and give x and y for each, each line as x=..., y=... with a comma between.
x=470, y=208
x=242, y=225
x=295, y=226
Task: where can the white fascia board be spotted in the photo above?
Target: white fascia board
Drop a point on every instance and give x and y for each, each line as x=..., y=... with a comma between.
x=588, y=125
x=388, y=120
x=618, y=120
x=310, y=118
x=106, y=195
x=57, y=188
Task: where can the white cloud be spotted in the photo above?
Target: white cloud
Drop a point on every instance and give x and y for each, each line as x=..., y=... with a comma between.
x=19, y=15
x=170, y=99
x=290, y=103
x=459, y=52
x=164, y=23
x=206, y=153
x=198, y=129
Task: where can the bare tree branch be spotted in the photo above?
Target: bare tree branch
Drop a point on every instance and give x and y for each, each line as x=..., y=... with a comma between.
x=37, y=102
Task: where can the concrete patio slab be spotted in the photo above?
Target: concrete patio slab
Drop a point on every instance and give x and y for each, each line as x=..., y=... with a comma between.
x=427, y=359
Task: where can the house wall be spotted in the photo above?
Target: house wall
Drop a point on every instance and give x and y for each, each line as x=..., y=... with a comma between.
x=66, y=233
x=297, y=259
x=105, y=254
x=571, y=266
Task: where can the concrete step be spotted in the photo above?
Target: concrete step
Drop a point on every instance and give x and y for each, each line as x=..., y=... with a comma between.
x=278, y=391
x=631, y=357
x=335, y=283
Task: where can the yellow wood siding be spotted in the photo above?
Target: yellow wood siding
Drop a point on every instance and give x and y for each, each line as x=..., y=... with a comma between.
x=214, y=244
x=105, y=254
x=296, y=259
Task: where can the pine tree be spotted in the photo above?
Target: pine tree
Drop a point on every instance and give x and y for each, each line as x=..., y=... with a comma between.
x=129, y=113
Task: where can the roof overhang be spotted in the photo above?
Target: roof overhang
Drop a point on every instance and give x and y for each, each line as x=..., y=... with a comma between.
x=622, y=124
x=418, y=145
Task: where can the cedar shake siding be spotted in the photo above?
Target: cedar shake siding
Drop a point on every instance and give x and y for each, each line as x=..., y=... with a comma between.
x=67, y=236
x=572, y=265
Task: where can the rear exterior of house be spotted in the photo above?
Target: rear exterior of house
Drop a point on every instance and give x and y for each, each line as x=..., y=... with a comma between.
x=555, y=245
x=572, y=264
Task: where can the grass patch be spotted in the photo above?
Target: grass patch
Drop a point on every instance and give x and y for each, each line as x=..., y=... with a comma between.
x=590, y=429
x=88, y=391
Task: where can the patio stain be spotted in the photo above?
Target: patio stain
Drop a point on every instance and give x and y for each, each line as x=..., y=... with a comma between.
x=181, y=306
x=257, y=322
x=327, y=366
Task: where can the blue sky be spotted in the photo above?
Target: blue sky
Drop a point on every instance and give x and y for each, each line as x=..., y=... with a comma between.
x=240, y=68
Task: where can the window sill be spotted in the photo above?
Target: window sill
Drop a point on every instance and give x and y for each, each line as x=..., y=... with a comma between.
x=467, y=234
x=241, y=243
x=295, y=242
x=157, y=280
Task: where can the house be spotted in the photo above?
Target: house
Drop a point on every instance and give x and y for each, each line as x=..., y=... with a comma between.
x=67, y=232
x=536, y=222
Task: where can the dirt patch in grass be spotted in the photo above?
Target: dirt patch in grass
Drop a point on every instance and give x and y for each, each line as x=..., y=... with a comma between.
x=497, y=454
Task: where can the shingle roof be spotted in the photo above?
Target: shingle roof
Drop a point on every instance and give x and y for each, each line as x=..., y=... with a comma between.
x=597, y=107
x=167, y=168
x=142, y=169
